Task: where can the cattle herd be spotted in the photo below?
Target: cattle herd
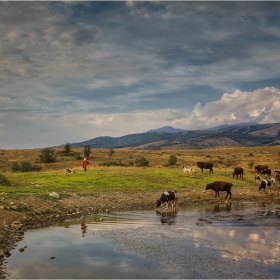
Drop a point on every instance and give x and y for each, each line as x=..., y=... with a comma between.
x=217, y=186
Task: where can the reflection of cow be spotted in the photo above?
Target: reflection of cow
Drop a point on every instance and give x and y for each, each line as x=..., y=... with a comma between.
x=260, y=167
x=218, y=209
x=166, y=197
x=238, y=171
x=205, y=165
x=218, y=186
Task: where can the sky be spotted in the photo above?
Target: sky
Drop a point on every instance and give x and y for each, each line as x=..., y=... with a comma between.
x=73, y=71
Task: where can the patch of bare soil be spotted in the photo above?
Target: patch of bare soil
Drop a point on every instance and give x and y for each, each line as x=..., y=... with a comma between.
x=16, y=216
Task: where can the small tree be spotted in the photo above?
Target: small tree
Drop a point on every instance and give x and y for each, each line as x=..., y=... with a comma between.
x=251, y=163
x=47, y=155
x=67, y=149
x=87, y=150
x=141, y=162
x=172, y=160
x=111, y=152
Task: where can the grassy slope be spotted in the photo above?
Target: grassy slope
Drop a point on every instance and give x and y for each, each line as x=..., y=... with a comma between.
x=156, y=177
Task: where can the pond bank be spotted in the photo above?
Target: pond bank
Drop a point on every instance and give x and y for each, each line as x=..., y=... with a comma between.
x=18, y=215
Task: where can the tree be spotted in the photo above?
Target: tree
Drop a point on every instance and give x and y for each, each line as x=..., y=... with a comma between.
x=172, y=160
x=47, y=155
x=111, y=152
x=142, y=162
x=67, y=149
x=87, y=150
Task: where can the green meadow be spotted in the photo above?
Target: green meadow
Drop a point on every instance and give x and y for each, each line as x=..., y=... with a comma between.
x=157, y=176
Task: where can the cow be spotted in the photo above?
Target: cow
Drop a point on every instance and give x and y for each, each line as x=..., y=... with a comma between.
x=238, y=171
x=188, y=170
x=260, y=167
x=267, y=184
x=266, y=172
x=277, y=179
x=171, y=196
x=205, y=165
x=257, y=179
x=218, y=186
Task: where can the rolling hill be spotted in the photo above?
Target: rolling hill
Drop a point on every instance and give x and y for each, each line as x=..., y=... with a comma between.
x=238, y=135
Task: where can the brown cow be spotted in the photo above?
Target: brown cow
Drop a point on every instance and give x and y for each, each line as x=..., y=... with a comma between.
x=220, y=186
x=260, y=167
x=277, y=179
x=238, y=171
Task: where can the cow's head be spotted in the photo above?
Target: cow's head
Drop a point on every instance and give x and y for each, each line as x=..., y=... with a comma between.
x=158, y=203
x=208, y=187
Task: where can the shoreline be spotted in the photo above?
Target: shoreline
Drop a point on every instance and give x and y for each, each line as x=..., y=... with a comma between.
x=30, y=212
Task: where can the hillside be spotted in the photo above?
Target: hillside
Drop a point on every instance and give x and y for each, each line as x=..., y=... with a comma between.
x=247, y=135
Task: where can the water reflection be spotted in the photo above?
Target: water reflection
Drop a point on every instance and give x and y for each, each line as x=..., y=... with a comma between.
x=133, y=245
x=222, y=207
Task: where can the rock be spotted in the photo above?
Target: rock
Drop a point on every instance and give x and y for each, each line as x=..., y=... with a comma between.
x=14, y=207
x=54, y=194
x=37, y=211
x=21, y=249
x=1, y=253
x=16, y=225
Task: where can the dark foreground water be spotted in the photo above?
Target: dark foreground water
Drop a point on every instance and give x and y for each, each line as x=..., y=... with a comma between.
x=211, y=241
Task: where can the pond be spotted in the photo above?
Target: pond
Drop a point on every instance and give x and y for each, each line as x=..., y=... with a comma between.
x=236, y=240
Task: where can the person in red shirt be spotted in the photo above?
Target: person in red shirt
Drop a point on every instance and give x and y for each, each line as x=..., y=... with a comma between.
x=85, y=163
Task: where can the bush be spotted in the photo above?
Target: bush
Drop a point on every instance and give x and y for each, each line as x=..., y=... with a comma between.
x=141, y=162
x=251, y=163
x=15, y=167
x=47, y=155
x=113, y=163
x=4, y=180
x=172, y=160
x=25, y=167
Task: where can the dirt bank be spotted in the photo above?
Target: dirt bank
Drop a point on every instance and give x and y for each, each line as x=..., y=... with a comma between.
x=18, y=215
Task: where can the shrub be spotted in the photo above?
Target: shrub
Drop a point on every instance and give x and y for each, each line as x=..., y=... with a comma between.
x=113, y=163
x=251, y=163
x=87, y=150
x=78, y=157
x=47, y=155
x=4, y=180
x=172, y=160
x=15, y=167
x=141, y=162
x=25, y=167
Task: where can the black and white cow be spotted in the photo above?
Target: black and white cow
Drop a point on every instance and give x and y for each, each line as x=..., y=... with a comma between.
x=267, y=184
x=171, y=196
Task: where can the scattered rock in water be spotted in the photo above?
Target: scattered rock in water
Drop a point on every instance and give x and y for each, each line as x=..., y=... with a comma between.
x=52, y=258
x=21, y=249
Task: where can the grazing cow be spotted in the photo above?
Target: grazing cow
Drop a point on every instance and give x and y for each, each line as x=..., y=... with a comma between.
x=266, y=172
x=218, y=186
x=260, y=167
x=277, y=179
x=267, y=184
x=188, y=170
x=276, y=172
x=205, y=165
x=166, y=197
x=238, y=171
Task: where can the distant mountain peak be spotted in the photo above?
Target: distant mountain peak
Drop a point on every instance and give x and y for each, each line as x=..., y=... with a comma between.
x=167, y=129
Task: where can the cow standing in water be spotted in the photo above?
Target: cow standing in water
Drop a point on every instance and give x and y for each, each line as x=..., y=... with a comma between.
x=171, y=196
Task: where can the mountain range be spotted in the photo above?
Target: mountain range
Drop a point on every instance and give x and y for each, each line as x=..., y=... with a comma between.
x=244, y=134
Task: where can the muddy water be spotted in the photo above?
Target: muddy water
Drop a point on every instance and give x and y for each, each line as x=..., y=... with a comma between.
x=210, y=241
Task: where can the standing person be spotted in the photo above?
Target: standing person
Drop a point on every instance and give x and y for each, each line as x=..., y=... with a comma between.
x=85, y=163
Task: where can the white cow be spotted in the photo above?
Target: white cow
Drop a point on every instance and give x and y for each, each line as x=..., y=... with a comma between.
x=188, y=170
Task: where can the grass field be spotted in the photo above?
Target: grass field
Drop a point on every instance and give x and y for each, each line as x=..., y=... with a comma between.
x=156, y=177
